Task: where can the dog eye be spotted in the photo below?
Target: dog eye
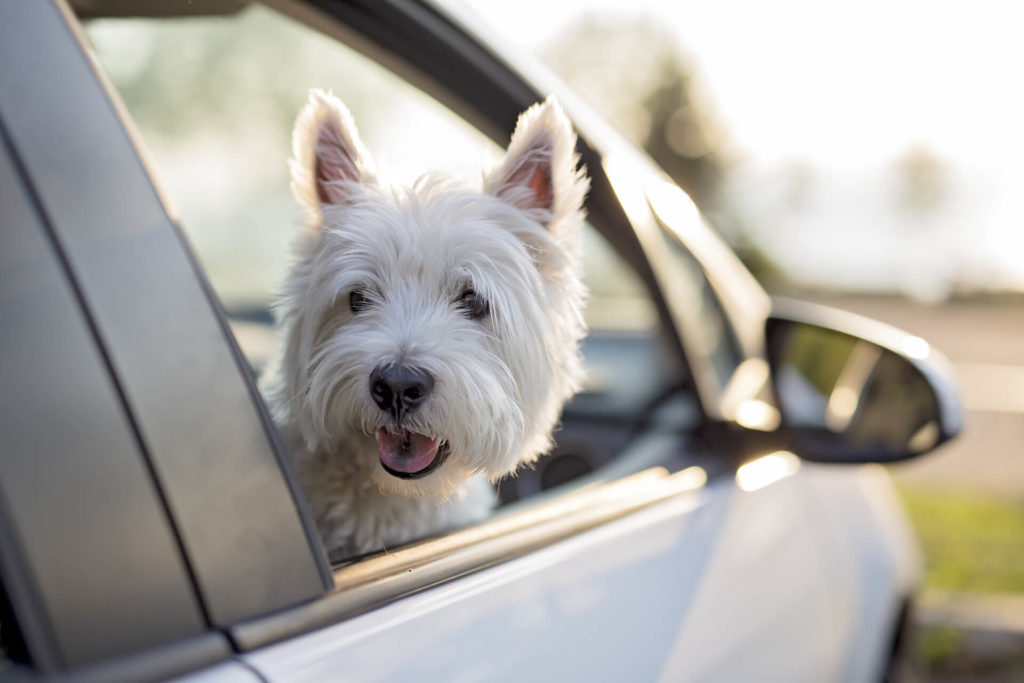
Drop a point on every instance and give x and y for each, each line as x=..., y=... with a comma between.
x=474, y=305
x=358, y=301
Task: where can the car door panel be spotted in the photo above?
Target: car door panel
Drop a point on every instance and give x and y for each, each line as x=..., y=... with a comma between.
x=672, y=592
x=569, y=611
x=764, y=593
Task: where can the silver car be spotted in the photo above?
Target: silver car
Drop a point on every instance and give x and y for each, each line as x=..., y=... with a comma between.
x=713, y=510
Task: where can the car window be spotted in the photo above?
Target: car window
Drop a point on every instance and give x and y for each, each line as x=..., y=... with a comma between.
x=214, y=100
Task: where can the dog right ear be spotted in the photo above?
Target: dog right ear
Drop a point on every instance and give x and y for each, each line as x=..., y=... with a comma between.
x=539, y=173
x=329, y=163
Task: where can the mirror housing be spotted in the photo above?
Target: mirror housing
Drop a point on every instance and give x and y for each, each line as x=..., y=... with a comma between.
x=853, y=390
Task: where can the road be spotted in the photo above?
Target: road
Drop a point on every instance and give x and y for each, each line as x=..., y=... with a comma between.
x=985, y=342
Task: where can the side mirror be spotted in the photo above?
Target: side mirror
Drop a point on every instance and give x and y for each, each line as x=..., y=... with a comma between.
x=851, y=389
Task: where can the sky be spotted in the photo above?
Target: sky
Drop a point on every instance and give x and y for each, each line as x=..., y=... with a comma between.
x=845, y=90
x=881, y=73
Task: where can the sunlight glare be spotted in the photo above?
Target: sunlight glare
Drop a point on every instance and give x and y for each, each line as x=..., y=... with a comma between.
x=767, y=470
x=757, y=414
x=915, y=347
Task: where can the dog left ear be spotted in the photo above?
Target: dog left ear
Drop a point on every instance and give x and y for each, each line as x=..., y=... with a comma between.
x=539, y=173
x=329, y=162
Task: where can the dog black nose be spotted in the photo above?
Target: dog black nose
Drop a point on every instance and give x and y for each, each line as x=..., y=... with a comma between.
x=399, y=389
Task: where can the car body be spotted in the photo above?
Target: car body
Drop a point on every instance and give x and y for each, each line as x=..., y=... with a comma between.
x=150, y=525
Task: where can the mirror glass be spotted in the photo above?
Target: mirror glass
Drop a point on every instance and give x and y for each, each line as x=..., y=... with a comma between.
x=847, y=399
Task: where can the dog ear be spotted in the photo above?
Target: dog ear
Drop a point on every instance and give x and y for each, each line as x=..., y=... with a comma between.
x=539, y=173
x=328, y=160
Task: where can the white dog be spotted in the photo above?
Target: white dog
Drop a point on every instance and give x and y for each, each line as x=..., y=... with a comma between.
x=431, y=333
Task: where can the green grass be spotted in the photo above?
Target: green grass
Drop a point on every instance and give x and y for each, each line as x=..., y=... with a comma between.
x=970, y=542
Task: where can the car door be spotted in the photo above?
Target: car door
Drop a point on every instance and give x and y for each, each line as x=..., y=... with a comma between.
x=668, y=558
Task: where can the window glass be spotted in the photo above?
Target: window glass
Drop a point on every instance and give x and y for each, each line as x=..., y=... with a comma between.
x=215, y=100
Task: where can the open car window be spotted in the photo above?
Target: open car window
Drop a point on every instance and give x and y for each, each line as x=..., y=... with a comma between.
x=214, y=99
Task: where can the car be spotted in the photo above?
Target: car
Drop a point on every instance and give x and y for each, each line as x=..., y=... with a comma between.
x=714, y=508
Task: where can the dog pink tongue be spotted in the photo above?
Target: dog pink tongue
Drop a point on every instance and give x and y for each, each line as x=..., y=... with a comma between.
x=406, y=451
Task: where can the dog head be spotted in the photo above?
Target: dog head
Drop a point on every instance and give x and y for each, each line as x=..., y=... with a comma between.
x=433, y=331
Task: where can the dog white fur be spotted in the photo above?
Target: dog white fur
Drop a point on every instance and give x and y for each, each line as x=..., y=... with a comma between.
x=431, y=333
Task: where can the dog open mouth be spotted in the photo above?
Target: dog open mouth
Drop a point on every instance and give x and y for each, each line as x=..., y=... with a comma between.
x=409, y=455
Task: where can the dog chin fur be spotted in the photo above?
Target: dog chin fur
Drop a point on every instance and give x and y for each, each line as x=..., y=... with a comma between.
x=414, y=255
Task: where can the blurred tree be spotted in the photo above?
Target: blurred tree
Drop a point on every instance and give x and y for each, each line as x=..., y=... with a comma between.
x=634, y=72
x=679, y=136
x=922, y=183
